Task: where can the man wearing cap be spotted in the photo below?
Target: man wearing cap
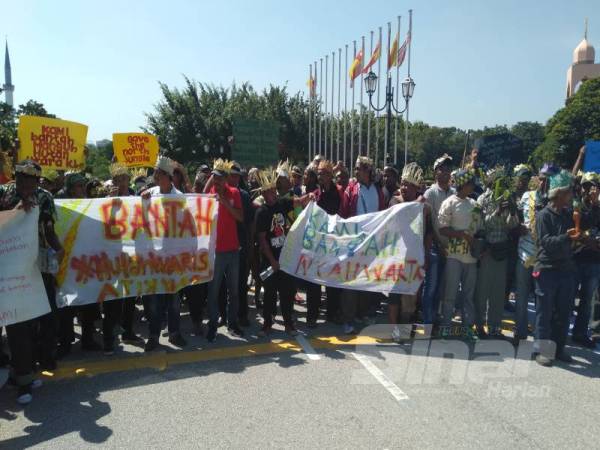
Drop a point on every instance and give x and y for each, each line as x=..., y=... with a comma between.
x=227, y=262
x=75, y=183
x=555, y=271
x=157, y=303
x=297, y=178
x=435, y=196
x=25, y=194
x=459, y=220
x=587, y=255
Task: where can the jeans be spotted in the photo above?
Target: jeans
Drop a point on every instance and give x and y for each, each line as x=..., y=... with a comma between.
x=589, y=278
x=156, y=304
x=244, y=271
x=431, y=288
x=313, y=301
x=283, y=284
x=555, y=294
x=524, y=288
x=227, y=264
x=456, y=273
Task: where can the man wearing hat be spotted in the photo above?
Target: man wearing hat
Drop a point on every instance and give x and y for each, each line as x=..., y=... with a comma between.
x=459, y=220
x=157, y=303
x=555, y=271
x=227, y=262
x=297, y=177
x=25, y=194
x=435, y=196
x=75, y=183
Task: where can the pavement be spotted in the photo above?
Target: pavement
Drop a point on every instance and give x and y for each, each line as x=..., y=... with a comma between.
x=318, y=390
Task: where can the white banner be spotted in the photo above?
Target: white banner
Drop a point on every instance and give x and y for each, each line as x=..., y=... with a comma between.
x=22, y=293
x=127, y=246
x=378, y=252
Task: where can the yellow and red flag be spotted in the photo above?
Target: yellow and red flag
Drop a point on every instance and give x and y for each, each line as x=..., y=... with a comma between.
x=356, y=67
x=312, y=86
x=374, y=57
x=393, y=55
x=402, y=50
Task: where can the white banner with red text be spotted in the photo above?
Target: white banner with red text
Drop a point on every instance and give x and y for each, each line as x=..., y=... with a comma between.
x=377, y=252
x=128, y=246
x=22, y=293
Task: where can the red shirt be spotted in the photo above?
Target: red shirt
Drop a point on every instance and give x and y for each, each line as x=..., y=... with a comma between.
x=227, y=238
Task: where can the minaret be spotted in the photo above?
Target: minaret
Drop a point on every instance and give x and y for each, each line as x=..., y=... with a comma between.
x=583, y=67
x=8, y=86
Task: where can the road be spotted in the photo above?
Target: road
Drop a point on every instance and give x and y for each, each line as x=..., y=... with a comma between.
x=320, y=391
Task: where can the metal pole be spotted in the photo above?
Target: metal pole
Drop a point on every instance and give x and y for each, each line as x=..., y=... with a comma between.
x=331, y=125
x=326, y=102
x=352, y=118
x=360, y=117
x=377, y=113
x=386, y=136
x=388, y=125
x=321, y=107
x=397, y=103
x=408, y=101
x=339, y=103
x=345, y=105
x=315, y=115
x=310, y=87
x=369, y=109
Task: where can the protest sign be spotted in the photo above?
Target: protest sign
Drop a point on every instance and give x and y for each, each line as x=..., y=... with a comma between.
x=377, y=252
x=591, y=163
x=22, y=293
x=128, y=246
x=55, y=144
x=135, y=149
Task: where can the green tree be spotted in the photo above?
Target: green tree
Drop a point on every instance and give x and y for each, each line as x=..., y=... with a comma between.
x=571, y=126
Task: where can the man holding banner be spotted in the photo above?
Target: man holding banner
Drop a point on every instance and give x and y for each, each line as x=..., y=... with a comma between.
x=26, y=194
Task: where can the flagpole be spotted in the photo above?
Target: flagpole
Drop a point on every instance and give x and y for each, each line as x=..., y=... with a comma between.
x=321, y=107
x=360, y=116
x=345, y=105
x=315, y=116
x=369, y=109
x=352, y=117
x=326, y=102
x=377, y=113
x=339, y=103
x=387, y=117
x=332, y=96
x=310, y=87
x=408, y=101
x=397, y=98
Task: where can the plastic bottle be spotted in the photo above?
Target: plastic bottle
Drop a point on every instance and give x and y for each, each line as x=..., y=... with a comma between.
x=266, y=273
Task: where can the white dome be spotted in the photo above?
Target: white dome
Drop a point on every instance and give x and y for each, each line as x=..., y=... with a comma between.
x=584, y=53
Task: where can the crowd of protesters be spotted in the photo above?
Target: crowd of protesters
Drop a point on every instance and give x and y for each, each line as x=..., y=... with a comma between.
x=496, y=241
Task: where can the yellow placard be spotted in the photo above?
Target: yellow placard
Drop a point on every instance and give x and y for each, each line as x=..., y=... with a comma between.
x=53, y=143
x=135, y=149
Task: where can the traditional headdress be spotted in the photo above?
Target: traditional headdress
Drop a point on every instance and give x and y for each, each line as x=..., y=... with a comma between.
x=549, y=169
x=165, y=164
x=444, y=159
x=118, y=169
x=221, y=167
x=327, y=165
x=298, y=171
x=412, y=174
x=522, y=170
x=267, y=179
x=494, y=174
x=364, y=160
x=139, y=173
x=559, y=182
x=29, y=167
x=73, y=178
x=283, y=169
x=236, y=169
x=590, y=177
x=462, y=177
x=49, y=174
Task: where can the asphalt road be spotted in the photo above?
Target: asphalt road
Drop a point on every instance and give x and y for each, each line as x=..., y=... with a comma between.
x=319, y=392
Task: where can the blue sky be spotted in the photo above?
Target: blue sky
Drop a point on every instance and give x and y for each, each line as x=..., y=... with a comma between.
x=475, y=63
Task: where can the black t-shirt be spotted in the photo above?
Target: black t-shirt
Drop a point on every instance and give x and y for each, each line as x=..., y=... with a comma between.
x=274, y=221
x=330, y=200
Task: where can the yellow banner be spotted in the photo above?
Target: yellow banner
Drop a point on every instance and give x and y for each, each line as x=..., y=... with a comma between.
x=53, y=143
x=135, y=149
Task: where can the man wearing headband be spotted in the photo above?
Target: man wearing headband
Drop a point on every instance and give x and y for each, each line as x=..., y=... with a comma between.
x=156, y=304
x=555, y=271
x=26, y=194
x=227, y=262
x=435, y=196
x=459, y=220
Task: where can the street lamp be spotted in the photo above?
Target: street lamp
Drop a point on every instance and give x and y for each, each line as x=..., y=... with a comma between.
x=408, y=88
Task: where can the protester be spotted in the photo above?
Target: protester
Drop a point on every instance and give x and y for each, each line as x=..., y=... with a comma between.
x=499, y=219
x=342, y=179
x=25, y=194
x=555, y=271
x=297, y=181
x=390, y=183
x=227, y=262
x=402, y=307
x=156, y=304
x=435, y=196
x=272, y=226
x=459, y=219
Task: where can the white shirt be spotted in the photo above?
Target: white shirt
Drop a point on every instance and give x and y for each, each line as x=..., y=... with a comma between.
x=435, y=196
x=457, y=213
x=155, y=190
x=368, y=199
